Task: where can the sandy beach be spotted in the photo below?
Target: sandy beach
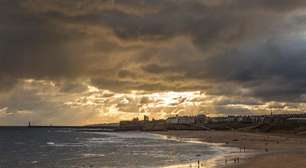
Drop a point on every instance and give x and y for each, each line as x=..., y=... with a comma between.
x=269, y=150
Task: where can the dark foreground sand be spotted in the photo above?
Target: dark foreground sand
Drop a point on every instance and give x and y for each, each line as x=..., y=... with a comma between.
x=272, y=150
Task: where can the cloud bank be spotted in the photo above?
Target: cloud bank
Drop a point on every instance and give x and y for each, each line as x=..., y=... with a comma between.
x=216, y=57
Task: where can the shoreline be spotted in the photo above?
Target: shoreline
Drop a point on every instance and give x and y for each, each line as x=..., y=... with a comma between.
x=223, y=157
x=210, y=161
x=262, y=149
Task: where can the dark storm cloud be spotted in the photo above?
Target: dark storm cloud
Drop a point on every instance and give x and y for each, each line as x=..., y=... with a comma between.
x=273, y=69
x=147, y=44
x=29, y=47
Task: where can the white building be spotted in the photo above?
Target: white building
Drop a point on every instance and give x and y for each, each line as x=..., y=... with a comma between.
x=181, y=120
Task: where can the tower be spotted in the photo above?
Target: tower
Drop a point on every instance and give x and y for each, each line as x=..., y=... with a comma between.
x=145, y=118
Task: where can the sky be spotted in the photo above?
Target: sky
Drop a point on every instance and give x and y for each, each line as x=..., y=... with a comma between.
x=77, y=62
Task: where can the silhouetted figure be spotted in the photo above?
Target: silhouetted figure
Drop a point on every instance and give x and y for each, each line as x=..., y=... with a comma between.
x=29, y=125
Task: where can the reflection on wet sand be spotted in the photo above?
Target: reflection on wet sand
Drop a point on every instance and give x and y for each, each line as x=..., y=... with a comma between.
x=224, y=157
x=210, y=163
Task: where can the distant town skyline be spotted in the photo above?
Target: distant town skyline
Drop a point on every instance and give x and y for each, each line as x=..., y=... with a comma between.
x=85, y=62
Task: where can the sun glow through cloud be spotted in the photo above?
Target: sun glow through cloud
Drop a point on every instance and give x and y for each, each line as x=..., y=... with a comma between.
x=80, y=62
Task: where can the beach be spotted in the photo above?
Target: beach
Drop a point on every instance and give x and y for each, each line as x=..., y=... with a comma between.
x=264, y=150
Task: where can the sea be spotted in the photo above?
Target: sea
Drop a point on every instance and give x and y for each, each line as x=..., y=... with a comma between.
x=71, y=148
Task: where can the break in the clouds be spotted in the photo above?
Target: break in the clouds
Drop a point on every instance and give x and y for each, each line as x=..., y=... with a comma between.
x=91, y=61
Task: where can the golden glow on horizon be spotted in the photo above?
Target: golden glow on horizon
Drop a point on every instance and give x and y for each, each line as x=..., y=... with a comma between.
x=93, y=105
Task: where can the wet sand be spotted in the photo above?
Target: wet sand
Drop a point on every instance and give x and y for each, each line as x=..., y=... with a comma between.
x=269, y=150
